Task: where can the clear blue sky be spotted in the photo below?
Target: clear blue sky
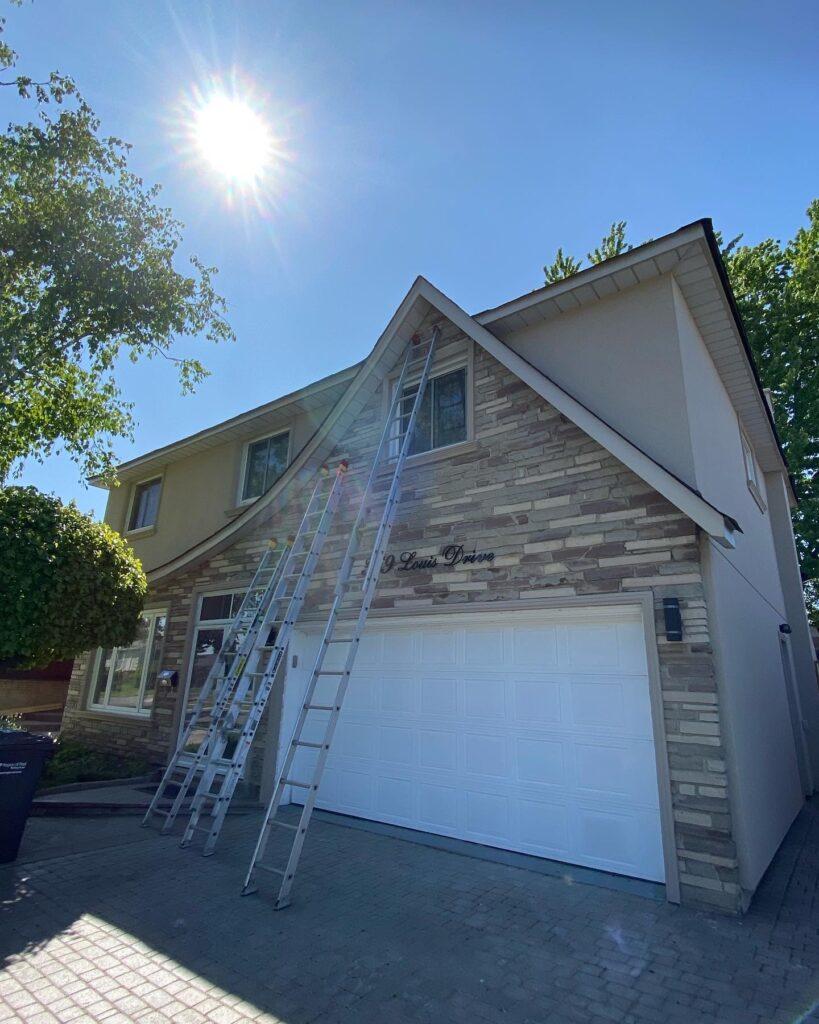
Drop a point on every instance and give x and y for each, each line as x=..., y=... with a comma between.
x=460, y=140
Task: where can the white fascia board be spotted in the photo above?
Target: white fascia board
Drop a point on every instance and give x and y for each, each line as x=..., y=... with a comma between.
x=679, y=494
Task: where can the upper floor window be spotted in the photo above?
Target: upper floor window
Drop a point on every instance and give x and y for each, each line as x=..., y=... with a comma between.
x=265, y=461
x=125, y=677
x=441, y=419
x=145, y=504
x=753, y=474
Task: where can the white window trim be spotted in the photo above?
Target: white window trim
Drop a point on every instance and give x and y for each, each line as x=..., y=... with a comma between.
x=463, y=360
x=142, y=530
x=240, y=501
x=752, y=470
x=139, y=712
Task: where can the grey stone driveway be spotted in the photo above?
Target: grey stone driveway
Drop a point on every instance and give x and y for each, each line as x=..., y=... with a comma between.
x=103, y=921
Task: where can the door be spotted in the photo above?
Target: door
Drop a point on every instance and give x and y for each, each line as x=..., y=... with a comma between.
x=529, y=731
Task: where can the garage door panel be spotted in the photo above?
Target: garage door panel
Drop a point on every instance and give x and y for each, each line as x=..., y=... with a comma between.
x=484, y=697
x=544, y=828
x=438, y=647
x=397, y=798
x=438, y=807
x=438, y=749
x=398, y=745
x=484, y=648
x=534, y=737
x=537, y=699
x=439, y=696
x=396, y=692
x=540, y=760
x=487, y=816
x=534, y=646
x=486, y=755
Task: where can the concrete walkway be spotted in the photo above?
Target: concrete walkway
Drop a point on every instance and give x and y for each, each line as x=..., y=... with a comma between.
x=104, y=921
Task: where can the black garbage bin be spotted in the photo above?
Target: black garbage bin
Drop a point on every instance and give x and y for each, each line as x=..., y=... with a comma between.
x=22, y=756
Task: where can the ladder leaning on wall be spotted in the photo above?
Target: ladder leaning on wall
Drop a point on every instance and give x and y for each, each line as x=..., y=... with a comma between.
x=212, y=751
x=417, y=355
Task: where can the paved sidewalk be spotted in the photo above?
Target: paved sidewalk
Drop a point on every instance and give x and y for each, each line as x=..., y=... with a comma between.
x=103, y=921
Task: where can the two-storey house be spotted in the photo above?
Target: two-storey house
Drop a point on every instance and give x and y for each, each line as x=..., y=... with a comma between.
x=624, y=680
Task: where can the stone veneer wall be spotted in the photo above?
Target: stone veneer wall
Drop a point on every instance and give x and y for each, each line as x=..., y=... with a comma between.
x=564, y=518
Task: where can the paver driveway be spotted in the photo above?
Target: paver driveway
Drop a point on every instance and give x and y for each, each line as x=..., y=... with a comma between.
x=125, y=926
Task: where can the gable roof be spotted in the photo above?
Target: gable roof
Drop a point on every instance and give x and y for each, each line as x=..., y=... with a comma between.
x=416, y=305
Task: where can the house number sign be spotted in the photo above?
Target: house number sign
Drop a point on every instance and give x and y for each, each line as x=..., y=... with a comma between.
x=449, y=557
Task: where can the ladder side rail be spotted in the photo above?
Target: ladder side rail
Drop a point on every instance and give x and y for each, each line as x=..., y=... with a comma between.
x=207, y=689
x=370, y=583
x=279, y=596
x=283, y=772
x=384, y=440
x=239, y=756
x=393, y=494
x=368, y=590
x=297, y=597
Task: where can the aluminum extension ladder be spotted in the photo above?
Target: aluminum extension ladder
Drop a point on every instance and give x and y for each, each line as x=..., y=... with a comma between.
x=244, y=677
x=385, y=451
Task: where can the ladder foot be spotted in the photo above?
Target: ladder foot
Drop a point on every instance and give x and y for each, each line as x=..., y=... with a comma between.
x=249, y=890
x=281, y=904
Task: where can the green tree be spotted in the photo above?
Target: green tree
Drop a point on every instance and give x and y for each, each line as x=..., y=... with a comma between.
x=777, y=291
x=776, y=286
x=87, y=272
x=612, y=244
x=67, y=584
x=561, y=267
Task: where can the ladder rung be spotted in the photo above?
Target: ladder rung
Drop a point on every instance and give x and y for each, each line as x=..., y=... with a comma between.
x=332, y=672
x=283, y=824
x=305, y=743
x=319, y=707
x=342, y=640
x=297, y=783
x=268, y=867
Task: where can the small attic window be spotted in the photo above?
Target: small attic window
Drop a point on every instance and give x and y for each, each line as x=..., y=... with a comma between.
x=753, y=474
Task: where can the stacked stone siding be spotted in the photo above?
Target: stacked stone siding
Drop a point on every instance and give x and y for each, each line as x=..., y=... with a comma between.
x=564, y=518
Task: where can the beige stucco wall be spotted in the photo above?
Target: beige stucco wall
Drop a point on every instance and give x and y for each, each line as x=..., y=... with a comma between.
x=748, y=606
x=619, y=357
x=200, y=492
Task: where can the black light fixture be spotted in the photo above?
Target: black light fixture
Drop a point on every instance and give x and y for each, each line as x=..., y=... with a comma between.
x=673, y=618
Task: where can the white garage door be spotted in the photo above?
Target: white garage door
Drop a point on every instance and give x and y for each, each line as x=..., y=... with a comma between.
x=526, y=731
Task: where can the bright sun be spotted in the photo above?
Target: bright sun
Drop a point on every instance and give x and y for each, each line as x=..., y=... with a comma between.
x=233, y=138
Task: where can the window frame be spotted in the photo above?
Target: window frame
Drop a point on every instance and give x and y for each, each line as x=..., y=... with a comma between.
x=752, y=470
x=139, y=711
x=197, y=624
x=267, y=436
x=136, y=530
x=461, y=361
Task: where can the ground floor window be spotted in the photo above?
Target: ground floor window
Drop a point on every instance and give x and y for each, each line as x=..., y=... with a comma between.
x=125, y=677
x=215, y=614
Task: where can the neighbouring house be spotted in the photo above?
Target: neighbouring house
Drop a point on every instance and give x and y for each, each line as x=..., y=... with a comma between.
x=37, y=695
x=627, y=683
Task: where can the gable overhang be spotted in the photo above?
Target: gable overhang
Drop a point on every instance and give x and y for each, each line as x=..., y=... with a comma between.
x=691, y=256
x=422, y=298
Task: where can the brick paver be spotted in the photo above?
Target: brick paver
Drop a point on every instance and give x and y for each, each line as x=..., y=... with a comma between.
x=132, y=928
